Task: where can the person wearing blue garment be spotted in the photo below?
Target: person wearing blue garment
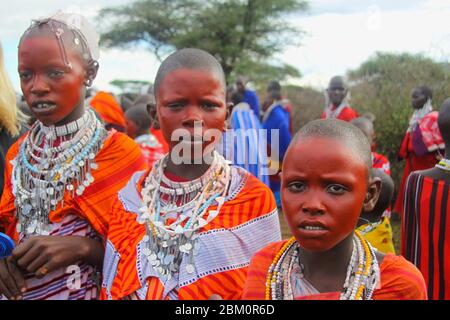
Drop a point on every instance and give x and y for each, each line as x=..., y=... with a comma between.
x=276, y=117
x=243, y=144
x=249, y=96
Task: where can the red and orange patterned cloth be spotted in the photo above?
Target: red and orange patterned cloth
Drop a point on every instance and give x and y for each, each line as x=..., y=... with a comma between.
x=247, y=222
x=400, y=280
x=84, y=215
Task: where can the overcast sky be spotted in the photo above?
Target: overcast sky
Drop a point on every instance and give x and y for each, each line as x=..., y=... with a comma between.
x=340, y=35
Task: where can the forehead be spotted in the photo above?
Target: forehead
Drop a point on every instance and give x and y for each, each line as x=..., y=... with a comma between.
x=323, y=155
x=45, y=42
x=336, y=82
x=184, y=79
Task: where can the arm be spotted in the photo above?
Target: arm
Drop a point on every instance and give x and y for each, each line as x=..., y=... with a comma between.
x=43, y=254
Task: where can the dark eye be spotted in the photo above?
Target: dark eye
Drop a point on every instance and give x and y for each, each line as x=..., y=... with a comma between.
x=296, y=186
x=56, y=74
x=175, y=105
x=25, y=75
x=336, y=189
x=210, y=105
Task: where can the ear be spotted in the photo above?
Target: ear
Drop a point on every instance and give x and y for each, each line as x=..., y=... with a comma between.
x=91, y=72
x=151, y=109
x=372, y=195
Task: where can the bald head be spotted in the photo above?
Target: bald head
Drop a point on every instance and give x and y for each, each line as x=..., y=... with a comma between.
x=386, y=194
x=194, y=59
x=365, y=125
x=444, y=121
x=337, y=82
x=139, y=115
x=341, y=131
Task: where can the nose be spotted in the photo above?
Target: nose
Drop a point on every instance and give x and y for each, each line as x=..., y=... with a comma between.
x=39, y=86
x=193, y=117
x=313, y=204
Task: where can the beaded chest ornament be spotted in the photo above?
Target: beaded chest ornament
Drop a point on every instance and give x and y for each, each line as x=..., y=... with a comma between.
x=43, y=172
x=362, y=277
x=172, y=226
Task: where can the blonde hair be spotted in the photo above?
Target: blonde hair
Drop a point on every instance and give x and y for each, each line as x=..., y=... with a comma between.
x=10, y=116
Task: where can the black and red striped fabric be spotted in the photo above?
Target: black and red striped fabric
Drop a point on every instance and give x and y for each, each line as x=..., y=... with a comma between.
x=426, y=231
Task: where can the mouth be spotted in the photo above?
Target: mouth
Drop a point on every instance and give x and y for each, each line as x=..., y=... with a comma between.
x=312, y=227
x=43, y=107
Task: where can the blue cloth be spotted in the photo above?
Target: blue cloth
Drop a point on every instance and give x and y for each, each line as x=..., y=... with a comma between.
x=252, y=100
x=277, y=119
x=243, y=146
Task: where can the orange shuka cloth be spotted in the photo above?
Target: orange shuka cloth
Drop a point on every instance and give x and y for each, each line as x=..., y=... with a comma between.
x=109, y=110
x=118, y=159
x=253, y=204
x=400, y=280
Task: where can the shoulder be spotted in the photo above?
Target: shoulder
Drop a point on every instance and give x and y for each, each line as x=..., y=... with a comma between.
x=268, y=252
x=400, y=280
x=431, y=116
x=246, y=187
x=14, y=148
x=119, y=140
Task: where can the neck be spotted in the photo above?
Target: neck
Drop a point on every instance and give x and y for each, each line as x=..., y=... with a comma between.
x=187, y=171
x=76, y=114
x=332, y=263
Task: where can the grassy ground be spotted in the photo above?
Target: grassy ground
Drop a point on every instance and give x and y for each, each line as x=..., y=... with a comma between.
x=396, y=229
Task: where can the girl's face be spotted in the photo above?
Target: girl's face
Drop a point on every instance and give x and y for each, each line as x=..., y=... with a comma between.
x=54, y=92
x=324, y=187
x=186, y=98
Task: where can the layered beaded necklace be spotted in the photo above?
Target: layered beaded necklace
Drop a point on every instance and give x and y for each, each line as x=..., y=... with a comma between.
x=172, y=225
x=53, y=160
x=363, y=272
x=444, y=164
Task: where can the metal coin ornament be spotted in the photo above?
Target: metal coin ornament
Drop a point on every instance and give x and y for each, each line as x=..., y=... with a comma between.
x=6, y=246
x=186, y=205
x=52, y=161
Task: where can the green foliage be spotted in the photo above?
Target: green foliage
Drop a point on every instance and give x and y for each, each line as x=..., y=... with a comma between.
x=236, y=32
x=383, y=85
x=129, y=86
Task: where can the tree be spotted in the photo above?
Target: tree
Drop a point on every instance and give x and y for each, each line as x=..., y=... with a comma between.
x=243, y=35
x=129, y=86
x=382, y=85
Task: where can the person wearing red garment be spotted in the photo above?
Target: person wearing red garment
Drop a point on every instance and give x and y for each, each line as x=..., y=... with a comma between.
x=187, y=228
x=422, y=146
x=338, y=107
x=426, y=221
x=62, y=175
x=327, y=183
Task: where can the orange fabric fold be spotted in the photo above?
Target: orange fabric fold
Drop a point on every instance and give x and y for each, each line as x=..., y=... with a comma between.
x=400, y=280
x=253, y=201
x=108, y=109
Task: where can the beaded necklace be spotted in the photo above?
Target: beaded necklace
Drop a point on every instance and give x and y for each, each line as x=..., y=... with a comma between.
x=167, y=242
x=362, y=272
x=444, y=164
x=43, y=172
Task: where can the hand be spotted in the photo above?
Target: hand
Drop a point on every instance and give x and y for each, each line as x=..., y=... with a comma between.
x=215, y=297
x=43, y=254
x=12, y=282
